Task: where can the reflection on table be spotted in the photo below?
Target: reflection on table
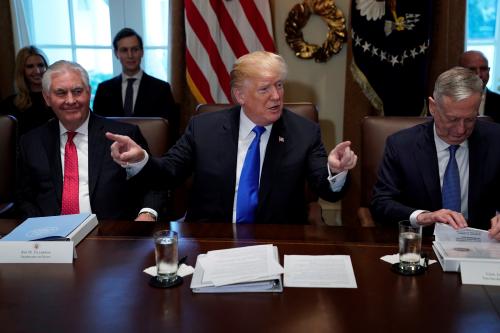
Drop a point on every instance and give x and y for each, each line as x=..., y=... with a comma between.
x=106, y=290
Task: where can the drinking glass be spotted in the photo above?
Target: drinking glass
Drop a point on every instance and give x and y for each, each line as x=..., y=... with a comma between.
x=166, y=254
x=410, y=246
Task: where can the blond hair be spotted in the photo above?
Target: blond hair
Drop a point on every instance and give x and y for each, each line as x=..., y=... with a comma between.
x=257, y=64
x=22, y=101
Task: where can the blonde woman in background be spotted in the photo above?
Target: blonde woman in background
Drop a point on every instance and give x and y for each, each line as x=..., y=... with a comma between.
x=27, y=104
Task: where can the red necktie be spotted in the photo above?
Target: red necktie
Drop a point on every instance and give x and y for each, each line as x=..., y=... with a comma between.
x=70, y=202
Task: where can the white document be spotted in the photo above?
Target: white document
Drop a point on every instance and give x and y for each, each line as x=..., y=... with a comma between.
x=329, y=271
x=36, y=252
x=268, y=283
x=445, y=233
x=480, y=273
x=243, y=264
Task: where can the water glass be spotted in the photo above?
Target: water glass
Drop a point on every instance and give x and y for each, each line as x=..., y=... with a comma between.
x=166, y=254
x=410, y=246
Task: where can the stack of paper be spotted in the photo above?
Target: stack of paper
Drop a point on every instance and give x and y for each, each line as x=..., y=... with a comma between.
x=453, y=247
x=245, y=269
x=328, y=271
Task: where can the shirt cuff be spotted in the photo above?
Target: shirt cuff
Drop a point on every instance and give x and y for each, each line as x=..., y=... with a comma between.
x=336, y=181
x=150, y=211
x=134, y=168
x=413, y=217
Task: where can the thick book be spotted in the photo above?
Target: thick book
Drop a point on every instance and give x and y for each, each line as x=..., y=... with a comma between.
x=269, y=284
x=451, y=254
x=62, y=227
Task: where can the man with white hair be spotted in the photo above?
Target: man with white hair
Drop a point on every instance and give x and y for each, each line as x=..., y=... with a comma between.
x=446, y=170
x=64, y=166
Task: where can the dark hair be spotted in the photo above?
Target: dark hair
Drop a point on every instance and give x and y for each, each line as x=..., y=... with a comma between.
x=126, y=32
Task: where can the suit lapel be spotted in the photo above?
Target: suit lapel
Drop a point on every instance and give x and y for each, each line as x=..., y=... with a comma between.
x=229, y=137
x=142, y=94
x=276, y=147
x=477, y=156
x=117, y=94
x=52, y=146
x=426, y=160
x=97, y=147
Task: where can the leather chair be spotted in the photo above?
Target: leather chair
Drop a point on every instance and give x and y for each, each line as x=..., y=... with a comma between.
x=154, y=129
x=306, y=110
x=156, y=132
x=374, y=132
x=8, y=143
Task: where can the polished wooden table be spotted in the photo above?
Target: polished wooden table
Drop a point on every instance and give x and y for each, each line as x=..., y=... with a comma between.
x=105, y=290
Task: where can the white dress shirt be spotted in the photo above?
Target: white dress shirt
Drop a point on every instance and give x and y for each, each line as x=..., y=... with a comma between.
x=443, y=156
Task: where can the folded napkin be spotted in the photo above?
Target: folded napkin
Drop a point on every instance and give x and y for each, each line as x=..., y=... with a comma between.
x=394, y=258
x=182, y=271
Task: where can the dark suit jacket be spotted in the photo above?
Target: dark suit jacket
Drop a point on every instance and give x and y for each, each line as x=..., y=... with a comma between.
x=408, y=177
x=492, y=105
x=154, y=99
x=208, y=150
x=40, y=181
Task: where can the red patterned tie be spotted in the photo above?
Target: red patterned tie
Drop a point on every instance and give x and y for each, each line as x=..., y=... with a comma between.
x=70, y=202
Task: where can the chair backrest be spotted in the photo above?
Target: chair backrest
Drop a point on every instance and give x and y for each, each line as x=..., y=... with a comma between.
x=8, y=142
x=154, y=129
x=374, y=132
x=305, y=109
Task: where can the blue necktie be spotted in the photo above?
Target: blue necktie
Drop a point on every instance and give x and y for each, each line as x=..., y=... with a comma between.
x=248, y=188
x=451, y=183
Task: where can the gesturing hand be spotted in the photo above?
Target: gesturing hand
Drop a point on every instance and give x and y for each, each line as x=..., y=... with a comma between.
x=342, y=158
x=124, y=150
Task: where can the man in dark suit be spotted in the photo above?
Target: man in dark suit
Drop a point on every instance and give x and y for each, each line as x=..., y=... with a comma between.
x=416, y=171
x=148, y=96
x=477, y=62
x=100, y=185
x=216, y=146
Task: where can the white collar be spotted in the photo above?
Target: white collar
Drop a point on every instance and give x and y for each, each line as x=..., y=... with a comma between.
x=441, y=144
x=137, y=76
x=83, y=129
x=246, y=125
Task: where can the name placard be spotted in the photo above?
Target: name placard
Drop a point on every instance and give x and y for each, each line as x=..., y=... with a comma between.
x=481, y=273
x=55, y=252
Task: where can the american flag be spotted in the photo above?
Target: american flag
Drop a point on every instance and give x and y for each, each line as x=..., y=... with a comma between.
x=217, y=33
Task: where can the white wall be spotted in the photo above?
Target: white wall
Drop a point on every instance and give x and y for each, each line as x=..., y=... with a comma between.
x=320, y=83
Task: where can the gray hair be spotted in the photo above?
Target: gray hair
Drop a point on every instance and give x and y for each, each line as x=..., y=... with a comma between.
x=60, y=67
x=458, y=84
